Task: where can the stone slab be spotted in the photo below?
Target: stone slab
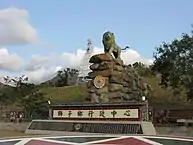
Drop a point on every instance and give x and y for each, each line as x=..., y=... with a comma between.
x=89, y=127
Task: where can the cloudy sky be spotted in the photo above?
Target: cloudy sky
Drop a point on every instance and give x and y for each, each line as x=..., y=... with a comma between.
x=39, y=38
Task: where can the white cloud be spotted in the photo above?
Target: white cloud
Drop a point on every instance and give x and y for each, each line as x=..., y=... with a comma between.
x=9, y=61
x=72, y=59
x=13, y=62
x=129, y=56
x=43, y=68
x=37, y=62
x=42, y=74
x=15, y=27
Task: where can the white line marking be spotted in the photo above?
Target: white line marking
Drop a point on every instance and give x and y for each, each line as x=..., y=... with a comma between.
x=57, y=141
x=23, y=142
x=115, y=137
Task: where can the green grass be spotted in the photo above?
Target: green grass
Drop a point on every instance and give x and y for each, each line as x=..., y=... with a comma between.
x=162, y=95
x=65, y=94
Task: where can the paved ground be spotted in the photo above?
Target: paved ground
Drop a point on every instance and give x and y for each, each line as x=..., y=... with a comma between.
x=5, y=133
x=99, y=140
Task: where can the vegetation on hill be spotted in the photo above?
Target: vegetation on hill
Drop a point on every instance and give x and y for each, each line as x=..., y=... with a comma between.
x=24, y=95
x=34, y=98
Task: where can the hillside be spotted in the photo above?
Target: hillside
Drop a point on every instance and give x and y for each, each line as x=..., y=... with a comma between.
x=78, y=93
x=65, y=94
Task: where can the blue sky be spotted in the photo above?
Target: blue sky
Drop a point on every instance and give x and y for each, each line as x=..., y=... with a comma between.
x=141, y=24
x=66, y=25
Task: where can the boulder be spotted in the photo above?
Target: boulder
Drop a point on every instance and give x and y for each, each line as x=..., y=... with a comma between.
x=89, y=84
x=126, y=90
x=127, y=97
x=95, y=66
x=118, y=68
x=104, y=73
x=115, y=87
x=94, y=98
x=116, y=78
x=116, y=100
x=100, y=58
x=127, y=77
x=113, y=95
x=126, y=84
x=103, y=90
x=118, y=62
x=103, y=98
x=102, y=66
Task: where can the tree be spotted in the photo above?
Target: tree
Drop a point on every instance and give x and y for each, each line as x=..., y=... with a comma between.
x=142, y=69
x=4, y=99
x=65, y=75
x=138, y=65
x=35, y=103
x=174, y=61
x=29, y=96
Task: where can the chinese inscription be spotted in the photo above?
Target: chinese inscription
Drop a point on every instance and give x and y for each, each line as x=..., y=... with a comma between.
x=60, y=113
x=97, y=113
x=80, y=113
x=114, y=113
x=69, y=113
x=127, y=113
x=90, y=113
x=102, y=113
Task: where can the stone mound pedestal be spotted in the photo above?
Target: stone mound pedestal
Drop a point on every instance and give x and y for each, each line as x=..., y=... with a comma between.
x=112, y=81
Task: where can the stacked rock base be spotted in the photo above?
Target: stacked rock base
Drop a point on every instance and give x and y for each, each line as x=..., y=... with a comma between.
x=112, y=81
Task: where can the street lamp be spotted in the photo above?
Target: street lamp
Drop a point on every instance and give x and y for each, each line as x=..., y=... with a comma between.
x=49, y=102
x=143, y=98
x=147, y=107
x=50, y=110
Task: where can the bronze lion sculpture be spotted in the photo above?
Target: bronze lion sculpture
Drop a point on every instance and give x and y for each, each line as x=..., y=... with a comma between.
x=110, y=45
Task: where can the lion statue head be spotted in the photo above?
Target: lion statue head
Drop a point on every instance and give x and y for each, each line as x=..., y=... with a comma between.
x=108, y=39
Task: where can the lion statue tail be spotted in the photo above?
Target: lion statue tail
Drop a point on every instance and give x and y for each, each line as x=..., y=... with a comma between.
x=127, y=47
